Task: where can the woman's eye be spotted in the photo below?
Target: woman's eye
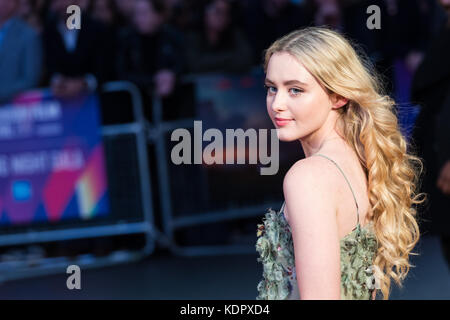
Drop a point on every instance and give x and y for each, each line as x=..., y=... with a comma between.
x=271, y=89
x=295, y=91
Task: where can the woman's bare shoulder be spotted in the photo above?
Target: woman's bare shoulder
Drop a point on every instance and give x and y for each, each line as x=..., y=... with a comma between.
x=315, y=170
x=311, y=182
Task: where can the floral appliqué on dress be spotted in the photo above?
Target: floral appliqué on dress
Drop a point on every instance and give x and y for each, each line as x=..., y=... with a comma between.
x=276, y=252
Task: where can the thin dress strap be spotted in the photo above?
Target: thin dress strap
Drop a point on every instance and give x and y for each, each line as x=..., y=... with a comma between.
x=357, y=208
x=282, y=207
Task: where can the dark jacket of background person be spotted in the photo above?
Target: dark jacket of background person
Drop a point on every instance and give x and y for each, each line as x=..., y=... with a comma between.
x=141, y=56
x=89, y=56
x=431, y=89
x=20, y=59
x=404, y=28
x=231, y=54
x=112, y=19
x=264, y=25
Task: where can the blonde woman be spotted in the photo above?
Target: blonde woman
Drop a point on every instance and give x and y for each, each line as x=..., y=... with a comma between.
x=348, y=225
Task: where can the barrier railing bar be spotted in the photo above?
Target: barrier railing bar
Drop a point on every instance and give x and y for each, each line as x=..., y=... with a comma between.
x=214, y=250
x=142, y=155
x=74, y=233
x=116, y=129
x=162, y=167
x=58, y=265
x=215, y=216
x=134, y=92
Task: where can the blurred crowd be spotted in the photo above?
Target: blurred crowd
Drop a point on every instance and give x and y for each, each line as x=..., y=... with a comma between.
x=154, y=42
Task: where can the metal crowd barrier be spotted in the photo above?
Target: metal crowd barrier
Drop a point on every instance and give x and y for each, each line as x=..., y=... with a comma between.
x=15, y=269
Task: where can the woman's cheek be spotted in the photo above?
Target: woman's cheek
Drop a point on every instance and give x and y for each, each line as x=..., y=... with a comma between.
x=269, y=106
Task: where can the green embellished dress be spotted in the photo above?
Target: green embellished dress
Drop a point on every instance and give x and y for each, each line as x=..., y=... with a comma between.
x=276, y=253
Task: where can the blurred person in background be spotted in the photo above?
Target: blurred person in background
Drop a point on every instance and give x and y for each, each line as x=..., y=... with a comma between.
x=20, y=52
x=104, y=11
x=150, y=53
x=171, y=5
x=83, y=4
x=431, y=89
x=107, y=13
x=151, y=56
x=125, y=12
x=405, y=34
x=402, y=35
x=267, y=20
x=32, y=11
x=184, y=14
x=328, y=13
x=219, y=46
x=75, y=59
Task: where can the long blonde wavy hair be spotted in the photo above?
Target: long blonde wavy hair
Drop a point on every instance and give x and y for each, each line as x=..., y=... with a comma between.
x=371, y=129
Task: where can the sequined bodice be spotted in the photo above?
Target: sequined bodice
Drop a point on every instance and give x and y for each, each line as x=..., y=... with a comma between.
x=275, y=247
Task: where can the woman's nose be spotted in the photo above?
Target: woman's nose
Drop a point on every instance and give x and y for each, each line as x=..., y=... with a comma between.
x=278, y=102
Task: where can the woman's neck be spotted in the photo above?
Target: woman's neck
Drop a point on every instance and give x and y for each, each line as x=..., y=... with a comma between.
x=325, y=137
x=327, y=143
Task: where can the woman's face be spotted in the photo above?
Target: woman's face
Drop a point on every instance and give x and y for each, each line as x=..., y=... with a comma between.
x=296, y=102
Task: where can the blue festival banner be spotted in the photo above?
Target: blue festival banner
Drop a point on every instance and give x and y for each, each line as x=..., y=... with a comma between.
x=52, y=164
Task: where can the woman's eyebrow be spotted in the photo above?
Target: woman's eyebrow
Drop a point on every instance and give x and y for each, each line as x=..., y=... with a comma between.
x=288, y=82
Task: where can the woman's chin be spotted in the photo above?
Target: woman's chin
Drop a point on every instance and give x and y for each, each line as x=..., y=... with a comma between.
x=284, y=136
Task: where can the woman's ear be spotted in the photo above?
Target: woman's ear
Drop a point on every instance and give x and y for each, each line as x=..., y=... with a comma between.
x=338, y=101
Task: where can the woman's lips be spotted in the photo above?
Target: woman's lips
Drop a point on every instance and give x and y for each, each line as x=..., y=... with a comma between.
x=282, y=122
